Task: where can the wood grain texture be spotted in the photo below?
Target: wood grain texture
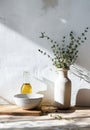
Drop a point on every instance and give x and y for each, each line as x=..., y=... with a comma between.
x=15, y=110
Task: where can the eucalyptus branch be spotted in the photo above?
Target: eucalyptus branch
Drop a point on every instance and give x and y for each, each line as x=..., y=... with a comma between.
x=65, y=54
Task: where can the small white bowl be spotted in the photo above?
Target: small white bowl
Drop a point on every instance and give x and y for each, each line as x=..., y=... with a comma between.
x=28, y=101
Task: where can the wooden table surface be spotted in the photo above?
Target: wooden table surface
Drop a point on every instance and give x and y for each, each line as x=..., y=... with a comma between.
x=74, y=118
x=17, y=111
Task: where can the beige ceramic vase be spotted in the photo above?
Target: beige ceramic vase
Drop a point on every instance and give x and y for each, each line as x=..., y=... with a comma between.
x=62, y=90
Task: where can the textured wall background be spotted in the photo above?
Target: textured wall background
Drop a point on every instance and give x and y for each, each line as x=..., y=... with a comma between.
x=20, y=25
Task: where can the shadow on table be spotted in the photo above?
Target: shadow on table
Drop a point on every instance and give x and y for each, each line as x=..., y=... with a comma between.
x=60, y=127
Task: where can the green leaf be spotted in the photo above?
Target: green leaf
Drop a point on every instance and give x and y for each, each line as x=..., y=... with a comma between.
x=67, y=53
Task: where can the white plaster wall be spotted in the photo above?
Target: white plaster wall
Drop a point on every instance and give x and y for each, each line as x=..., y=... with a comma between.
x=20, y=25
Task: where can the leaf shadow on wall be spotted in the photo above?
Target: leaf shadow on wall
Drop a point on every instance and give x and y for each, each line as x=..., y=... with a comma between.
x=49, y=4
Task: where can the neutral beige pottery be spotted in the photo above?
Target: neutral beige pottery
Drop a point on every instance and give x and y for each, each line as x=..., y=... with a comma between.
x=62, y=90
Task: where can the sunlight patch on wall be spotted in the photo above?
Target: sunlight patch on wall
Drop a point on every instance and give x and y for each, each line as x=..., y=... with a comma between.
x=64, y=21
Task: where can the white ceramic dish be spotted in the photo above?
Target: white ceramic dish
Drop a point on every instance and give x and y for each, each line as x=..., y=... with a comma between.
x=28, y=101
